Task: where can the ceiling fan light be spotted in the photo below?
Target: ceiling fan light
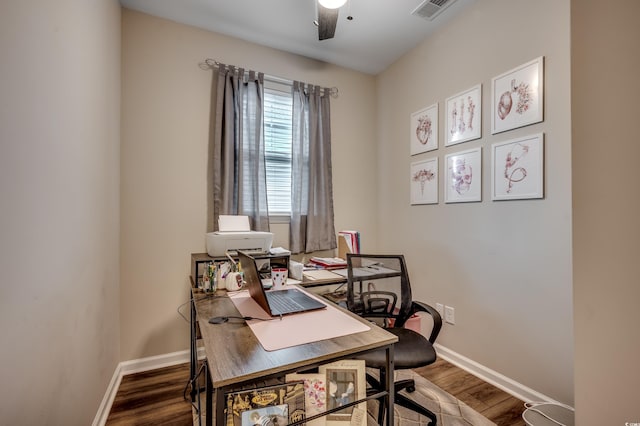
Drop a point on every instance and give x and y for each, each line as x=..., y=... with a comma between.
x=332, y=4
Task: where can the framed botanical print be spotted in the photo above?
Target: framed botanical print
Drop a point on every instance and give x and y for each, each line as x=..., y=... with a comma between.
x=424, y=130
x=517, y=97
x=463, y=176
x=424, y=181
x=517, y=168
x=463, y=119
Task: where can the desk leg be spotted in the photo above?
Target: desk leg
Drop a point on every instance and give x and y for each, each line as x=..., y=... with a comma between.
x=208, y=410
x=389, y=377
x=220, y=405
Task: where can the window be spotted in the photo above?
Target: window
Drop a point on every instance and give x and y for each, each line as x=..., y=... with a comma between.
x=278, y=116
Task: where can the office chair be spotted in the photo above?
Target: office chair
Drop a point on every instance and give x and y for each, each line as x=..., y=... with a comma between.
x=378, y=289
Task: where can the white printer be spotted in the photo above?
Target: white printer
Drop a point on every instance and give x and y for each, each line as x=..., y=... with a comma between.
x=235, y=234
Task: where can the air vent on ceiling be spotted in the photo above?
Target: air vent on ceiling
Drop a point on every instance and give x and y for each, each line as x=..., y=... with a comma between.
x=429, y=9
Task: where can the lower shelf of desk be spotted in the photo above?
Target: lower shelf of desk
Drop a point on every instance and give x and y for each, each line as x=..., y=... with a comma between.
x=200, y=415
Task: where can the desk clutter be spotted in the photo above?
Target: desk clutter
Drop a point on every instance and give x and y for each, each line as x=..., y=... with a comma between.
x=302, y=397
x=211, y=273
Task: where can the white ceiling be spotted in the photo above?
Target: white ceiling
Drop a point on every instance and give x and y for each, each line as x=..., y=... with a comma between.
x=381, y=30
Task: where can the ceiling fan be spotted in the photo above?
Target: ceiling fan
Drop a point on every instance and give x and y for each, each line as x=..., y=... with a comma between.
x=328, y=17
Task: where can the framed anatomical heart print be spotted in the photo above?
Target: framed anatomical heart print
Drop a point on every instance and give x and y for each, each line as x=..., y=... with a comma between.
x=424, y=130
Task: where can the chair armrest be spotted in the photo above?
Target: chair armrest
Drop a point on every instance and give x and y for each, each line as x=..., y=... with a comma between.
x=437, y=319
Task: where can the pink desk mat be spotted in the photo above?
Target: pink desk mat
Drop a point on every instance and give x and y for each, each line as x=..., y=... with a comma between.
x=296, y=329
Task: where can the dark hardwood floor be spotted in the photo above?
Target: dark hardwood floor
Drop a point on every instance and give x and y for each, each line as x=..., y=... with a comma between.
x=152, y=398
x=493, y=403
x=156, y=397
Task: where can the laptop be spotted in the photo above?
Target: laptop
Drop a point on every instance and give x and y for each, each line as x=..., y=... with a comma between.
x=275, y=302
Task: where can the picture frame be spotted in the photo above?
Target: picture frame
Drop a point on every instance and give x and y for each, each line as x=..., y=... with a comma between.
x=463, y=119
x=267, y=401
x=424, y=130
x=517, y=97
x=463, y=176
x=517, y=168
x=346, y=383
x=315, y=395
x=423, y=181
x=272, y=414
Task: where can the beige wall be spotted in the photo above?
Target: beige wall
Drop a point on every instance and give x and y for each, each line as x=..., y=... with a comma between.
x=165, y=130
x=504, y=266
x=59, y=220
x=606, y=207
x=500, y=264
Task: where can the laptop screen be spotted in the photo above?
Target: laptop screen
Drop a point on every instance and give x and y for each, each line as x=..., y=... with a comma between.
x=252, y=278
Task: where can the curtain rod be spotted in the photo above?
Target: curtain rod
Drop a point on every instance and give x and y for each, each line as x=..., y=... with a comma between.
x=209, y=63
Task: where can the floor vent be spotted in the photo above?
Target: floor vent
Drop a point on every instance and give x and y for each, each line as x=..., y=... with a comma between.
x=429, y=9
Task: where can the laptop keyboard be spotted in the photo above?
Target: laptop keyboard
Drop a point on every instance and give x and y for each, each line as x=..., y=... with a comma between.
x=282, y=303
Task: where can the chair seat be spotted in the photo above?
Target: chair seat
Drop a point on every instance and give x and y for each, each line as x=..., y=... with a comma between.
x=412, y=350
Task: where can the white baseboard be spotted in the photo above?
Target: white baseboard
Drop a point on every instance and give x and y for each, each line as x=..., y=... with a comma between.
x=109, y=396
x=154, y=362
x=498, y=380
x=137, y=366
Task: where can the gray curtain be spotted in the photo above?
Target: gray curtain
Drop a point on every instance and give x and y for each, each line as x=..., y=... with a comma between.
x=311, y=227
x=238, y=161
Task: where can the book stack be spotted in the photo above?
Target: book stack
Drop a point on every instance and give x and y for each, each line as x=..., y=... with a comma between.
x=328, y=262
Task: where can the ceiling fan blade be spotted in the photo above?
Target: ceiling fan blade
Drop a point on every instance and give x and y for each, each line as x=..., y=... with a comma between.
x=327, y=19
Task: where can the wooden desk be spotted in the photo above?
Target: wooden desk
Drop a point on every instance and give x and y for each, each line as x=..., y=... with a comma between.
x=235, y=358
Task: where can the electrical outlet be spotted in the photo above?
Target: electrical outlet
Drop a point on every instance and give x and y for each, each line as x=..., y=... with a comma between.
x=449, y=315
x=440, y=309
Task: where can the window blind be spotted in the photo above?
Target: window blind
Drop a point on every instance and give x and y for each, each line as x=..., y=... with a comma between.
x=278, y=117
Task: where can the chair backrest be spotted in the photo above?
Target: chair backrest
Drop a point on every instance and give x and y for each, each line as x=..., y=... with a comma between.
x=378, y=287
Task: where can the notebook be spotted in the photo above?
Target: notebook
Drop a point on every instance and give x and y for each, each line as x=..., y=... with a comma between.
x=275, y=302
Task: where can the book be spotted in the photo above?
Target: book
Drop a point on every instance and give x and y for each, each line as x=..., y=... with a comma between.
x=329, y=262
x=246, y=407
x=352, y=241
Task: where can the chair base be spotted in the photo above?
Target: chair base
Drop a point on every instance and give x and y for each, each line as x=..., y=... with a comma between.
x=410, y=386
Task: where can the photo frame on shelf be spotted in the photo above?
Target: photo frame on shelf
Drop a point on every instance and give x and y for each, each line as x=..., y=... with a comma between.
x=463, y=176
x=272, y=415
x=346, y=383
x=424, y=130
x=517, y=97
x=463, y=119
x=283, y=402
x=315, y=392
x=424, y=181
x=517, y=168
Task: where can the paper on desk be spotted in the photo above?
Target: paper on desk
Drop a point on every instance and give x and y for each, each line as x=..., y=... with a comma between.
x=320, y=274
x=296, y=329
